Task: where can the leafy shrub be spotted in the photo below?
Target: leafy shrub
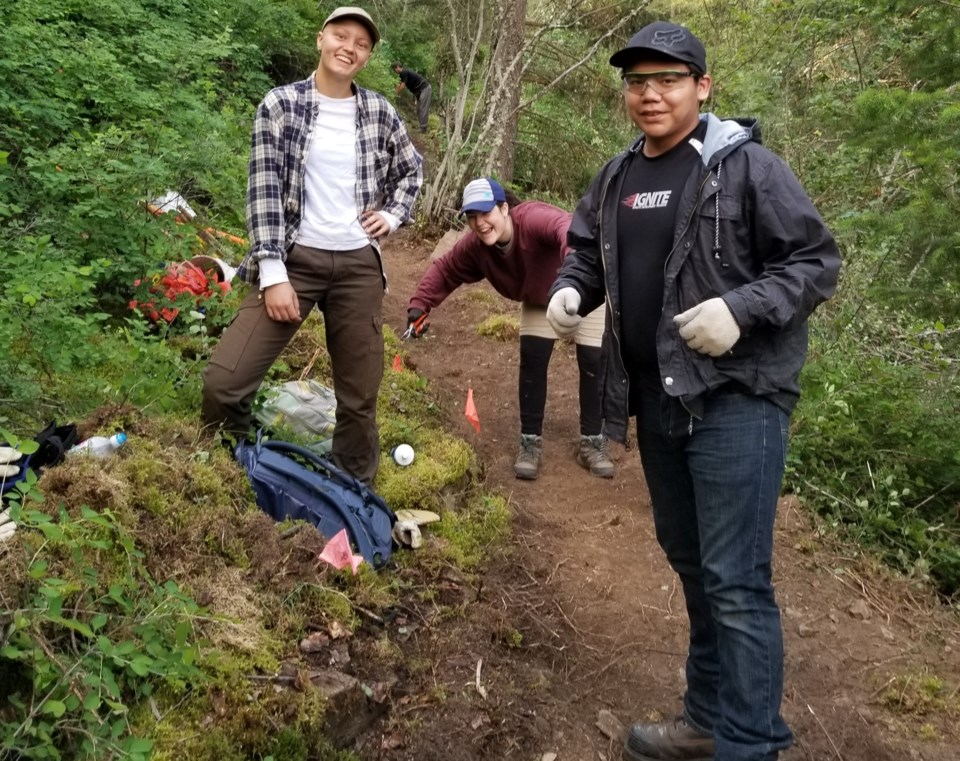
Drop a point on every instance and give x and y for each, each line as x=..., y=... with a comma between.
x=81, y=651
x=104, y=106
x=49, y=315
x=875, y=446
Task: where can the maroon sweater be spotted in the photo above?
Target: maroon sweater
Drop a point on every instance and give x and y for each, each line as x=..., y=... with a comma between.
x=524, y=272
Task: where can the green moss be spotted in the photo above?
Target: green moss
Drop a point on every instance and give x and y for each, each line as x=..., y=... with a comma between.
x=226, y=666
x=500, y=327
x=311, y=603
x=482, y=296
x=472, y=532
x=392, y=343
x=152, y=499
x=230, y=547
x=918, y=695
x=455, y=612
x=249, y=720
x=928, y=732
x=443, y=463
x=437, y=695
x=387, y=652
x=405, y=402
x=185, y=511
x=419, y=665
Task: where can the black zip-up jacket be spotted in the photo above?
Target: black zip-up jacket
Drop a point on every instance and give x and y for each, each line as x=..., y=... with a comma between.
x=747, y=232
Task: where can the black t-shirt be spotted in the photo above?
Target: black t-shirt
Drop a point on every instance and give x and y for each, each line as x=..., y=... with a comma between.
x=414, y=82
x=646, y=219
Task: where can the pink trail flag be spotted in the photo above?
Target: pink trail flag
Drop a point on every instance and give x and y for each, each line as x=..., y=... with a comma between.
x=470, y=410
x=337, y=552
x=397, y=364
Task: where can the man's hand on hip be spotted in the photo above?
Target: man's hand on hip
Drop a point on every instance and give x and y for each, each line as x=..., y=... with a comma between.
x=709, y=327
x=374, y=224
x=282, y=303
x=562, y=312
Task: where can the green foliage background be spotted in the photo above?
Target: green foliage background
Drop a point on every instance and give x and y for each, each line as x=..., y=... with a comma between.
x=103, y=106
x=106, y=104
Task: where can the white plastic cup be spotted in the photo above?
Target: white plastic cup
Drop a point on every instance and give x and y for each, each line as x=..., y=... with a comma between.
x=224, y=271
x=403, y=455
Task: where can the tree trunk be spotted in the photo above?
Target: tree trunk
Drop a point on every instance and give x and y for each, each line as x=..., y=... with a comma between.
x=506, y=65
x=481, y=119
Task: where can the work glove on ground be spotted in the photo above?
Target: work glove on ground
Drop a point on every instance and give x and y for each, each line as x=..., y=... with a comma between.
x=562, y=312
x=8, y=456
x=709, y=327
x=7, y=527
x=407, y=534
x=417, y=323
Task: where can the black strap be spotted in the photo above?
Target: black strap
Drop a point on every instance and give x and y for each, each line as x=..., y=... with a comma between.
x=55, y=441
x=285, y=447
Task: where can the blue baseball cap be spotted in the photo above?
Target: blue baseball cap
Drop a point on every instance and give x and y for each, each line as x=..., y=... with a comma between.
x=482, y=195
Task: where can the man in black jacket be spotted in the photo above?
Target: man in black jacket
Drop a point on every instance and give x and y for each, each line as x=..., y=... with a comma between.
x=710, y=257
x=418, y=85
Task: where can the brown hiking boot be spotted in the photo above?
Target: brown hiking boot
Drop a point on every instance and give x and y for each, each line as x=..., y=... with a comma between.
x=667, y=741
x=592, y=454
x=527, y=465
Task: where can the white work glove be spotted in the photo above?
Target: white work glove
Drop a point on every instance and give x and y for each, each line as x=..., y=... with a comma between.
x=709, y=327
x=7, y=527
x=562, y=312
x=8, y=456
x=407, y=534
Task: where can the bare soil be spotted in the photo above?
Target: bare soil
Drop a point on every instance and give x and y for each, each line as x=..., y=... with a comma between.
x=582, y=614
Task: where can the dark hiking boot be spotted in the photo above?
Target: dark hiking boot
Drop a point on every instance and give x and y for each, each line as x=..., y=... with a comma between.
x=667, y=741
x=527, y=465
x=592, y=454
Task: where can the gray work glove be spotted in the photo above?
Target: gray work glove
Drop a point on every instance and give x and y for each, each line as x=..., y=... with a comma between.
x=407, y=534
x=709, y=327
x=562, y=312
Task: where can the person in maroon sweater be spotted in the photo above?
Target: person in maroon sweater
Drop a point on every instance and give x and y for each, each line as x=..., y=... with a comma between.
x=518, y=248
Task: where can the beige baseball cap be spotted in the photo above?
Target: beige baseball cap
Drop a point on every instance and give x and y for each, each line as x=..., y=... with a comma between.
x=357, y=14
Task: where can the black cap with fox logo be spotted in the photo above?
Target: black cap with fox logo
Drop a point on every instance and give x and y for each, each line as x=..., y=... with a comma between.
x=663, y=40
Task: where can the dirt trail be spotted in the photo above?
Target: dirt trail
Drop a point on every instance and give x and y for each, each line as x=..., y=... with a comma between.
x=583, y=613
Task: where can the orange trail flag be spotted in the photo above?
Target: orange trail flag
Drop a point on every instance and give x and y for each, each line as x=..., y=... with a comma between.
x=470, y=410
x=397, y=363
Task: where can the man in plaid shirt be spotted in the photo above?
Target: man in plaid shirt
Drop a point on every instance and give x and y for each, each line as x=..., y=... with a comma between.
x=332, y=170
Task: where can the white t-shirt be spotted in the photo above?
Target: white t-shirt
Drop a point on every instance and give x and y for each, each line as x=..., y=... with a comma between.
x=330, y=220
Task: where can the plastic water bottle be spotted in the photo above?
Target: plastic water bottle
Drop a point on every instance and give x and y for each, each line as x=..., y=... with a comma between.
x=99, y=446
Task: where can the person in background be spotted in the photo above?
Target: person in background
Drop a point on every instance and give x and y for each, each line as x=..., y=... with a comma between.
x=332, y=171
x=710, y=257
x=420, y=88
x=518, y=247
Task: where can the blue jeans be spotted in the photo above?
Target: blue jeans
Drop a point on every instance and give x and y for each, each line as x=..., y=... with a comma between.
x=714, y=484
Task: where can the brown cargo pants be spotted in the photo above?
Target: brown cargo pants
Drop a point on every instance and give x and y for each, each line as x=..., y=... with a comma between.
x=347, y=287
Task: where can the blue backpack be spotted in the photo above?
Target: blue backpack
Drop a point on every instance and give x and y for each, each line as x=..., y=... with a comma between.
x=290, y=481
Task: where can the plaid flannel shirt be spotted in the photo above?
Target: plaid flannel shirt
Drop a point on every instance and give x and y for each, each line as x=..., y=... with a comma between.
x=389, y=169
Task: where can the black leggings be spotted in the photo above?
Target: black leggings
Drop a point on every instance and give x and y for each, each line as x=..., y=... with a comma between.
x=534, y=359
